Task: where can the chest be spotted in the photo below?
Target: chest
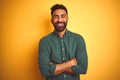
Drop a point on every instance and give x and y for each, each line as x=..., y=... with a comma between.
x=62, y=50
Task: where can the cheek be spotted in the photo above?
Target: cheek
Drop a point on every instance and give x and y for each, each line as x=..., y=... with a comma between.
x=54, y=21
x=66, y=19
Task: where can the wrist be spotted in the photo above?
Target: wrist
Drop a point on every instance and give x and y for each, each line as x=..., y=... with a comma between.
x=70, y=63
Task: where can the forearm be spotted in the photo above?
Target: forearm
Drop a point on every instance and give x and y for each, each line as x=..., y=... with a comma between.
x=69, y=71
x=62, y=67
x=65, y=66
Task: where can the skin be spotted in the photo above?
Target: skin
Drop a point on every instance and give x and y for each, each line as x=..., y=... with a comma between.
x=59, y=20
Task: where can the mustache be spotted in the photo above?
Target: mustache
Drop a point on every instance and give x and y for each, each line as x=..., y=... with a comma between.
x=59, y=22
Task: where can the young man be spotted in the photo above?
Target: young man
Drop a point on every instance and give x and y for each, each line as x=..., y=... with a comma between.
x=62, y=53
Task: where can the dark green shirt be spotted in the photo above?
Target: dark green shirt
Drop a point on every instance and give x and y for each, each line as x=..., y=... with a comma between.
x=54, y=49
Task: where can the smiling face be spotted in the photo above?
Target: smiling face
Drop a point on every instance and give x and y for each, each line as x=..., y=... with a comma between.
x=59, y=19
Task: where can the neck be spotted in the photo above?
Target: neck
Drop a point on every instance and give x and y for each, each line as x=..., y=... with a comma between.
x=61, y=34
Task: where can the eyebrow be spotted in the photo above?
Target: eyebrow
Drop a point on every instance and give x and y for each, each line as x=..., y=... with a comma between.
x=57, y=14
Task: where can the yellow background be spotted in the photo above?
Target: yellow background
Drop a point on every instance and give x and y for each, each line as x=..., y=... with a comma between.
x=24, y=22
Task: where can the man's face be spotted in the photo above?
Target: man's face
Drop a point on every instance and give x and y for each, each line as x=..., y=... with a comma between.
x=59, y=19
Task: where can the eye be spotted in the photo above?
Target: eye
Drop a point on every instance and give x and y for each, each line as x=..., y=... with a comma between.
x=63, y=15
x=55, y=16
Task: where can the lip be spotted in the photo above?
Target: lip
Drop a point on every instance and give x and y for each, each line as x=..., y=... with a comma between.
x=60, y=24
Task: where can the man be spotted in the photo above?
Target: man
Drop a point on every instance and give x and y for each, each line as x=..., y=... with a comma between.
x=62, y=53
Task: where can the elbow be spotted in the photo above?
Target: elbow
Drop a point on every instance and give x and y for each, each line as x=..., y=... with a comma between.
x=45, y=74
x=84, y=70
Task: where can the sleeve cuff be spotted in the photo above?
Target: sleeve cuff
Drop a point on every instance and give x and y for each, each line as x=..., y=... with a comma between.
x=74, y=69
x=52, y=68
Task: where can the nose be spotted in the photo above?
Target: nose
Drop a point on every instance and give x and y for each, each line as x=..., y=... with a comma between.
x=60, y=19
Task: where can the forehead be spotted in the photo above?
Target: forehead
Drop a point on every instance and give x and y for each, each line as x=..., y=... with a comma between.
x=59, y=11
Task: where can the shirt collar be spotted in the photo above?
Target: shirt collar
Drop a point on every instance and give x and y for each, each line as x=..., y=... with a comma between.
x=66, y=33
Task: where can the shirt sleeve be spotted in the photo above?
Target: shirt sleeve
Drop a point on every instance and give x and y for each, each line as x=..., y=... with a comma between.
x=81, y=55
x=46, y=68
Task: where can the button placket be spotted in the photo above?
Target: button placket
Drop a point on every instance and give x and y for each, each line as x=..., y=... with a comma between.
x=63, y=50
x=64, y=75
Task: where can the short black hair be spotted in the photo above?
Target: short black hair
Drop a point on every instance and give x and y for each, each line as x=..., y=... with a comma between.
x=58, y=6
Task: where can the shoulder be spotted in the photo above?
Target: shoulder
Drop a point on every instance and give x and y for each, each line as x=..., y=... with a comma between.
x=76, y=35
x=46, y=38
x=78, y=38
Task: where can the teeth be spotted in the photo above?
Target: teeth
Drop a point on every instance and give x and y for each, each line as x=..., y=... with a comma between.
x=60, y=24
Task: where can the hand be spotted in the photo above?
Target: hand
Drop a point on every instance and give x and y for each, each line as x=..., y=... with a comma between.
x=51, y=62
x=69, y=71
x=73, y=62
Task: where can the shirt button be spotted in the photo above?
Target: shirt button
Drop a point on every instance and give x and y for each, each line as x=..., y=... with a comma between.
x=64, y=75
x=63, y=58
x=62, y=48
x=62, y=40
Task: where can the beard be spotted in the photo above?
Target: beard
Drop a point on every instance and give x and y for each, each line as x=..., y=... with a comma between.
x=60, y=26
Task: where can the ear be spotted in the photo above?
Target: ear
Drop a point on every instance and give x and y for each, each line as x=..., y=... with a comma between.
x=67, y=18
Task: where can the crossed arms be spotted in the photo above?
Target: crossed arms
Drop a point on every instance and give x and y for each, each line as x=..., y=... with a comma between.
x=76, y=65
x=65, y=67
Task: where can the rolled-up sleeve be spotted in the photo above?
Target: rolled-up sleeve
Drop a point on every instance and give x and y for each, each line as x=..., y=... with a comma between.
x=81, y=55
x=46, y=68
